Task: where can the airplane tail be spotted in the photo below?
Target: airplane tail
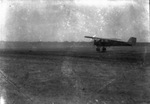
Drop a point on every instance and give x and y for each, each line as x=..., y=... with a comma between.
x=132, y=41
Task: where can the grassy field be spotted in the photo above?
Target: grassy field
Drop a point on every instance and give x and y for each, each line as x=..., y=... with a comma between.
x=75, y=75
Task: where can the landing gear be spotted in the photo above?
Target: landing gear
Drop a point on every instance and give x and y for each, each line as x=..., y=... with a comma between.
x=104, y=49
x=98, y=49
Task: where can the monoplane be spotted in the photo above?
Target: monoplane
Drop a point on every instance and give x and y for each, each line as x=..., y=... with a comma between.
x=102, y=43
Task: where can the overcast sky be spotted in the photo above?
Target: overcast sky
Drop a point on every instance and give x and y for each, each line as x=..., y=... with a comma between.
x=71, y=20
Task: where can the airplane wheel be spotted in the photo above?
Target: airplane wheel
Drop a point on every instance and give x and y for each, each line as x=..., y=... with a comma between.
x=104, y=49
x=98, y=49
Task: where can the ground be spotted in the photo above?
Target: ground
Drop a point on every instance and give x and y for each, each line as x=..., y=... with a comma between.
x=75, y=75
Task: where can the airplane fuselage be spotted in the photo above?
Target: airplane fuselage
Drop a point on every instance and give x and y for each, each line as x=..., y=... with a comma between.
x=107, y=43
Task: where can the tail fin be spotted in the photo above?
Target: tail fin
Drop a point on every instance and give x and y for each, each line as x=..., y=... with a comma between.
x=132, y=41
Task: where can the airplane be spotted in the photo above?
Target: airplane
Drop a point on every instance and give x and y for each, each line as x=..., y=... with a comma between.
x=107, y=42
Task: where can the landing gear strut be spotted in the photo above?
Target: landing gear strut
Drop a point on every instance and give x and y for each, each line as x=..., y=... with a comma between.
x=98, y=49
x=103, y=49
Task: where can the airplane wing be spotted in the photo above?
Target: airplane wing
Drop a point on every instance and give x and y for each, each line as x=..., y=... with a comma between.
x=102, y=38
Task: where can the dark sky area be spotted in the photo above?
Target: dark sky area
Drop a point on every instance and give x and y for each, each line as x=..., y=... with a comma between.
x=71, y=20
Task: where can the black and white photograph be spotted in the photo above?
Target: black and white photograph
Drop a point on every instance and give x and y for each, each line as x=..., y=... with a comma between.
x=74, y=52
